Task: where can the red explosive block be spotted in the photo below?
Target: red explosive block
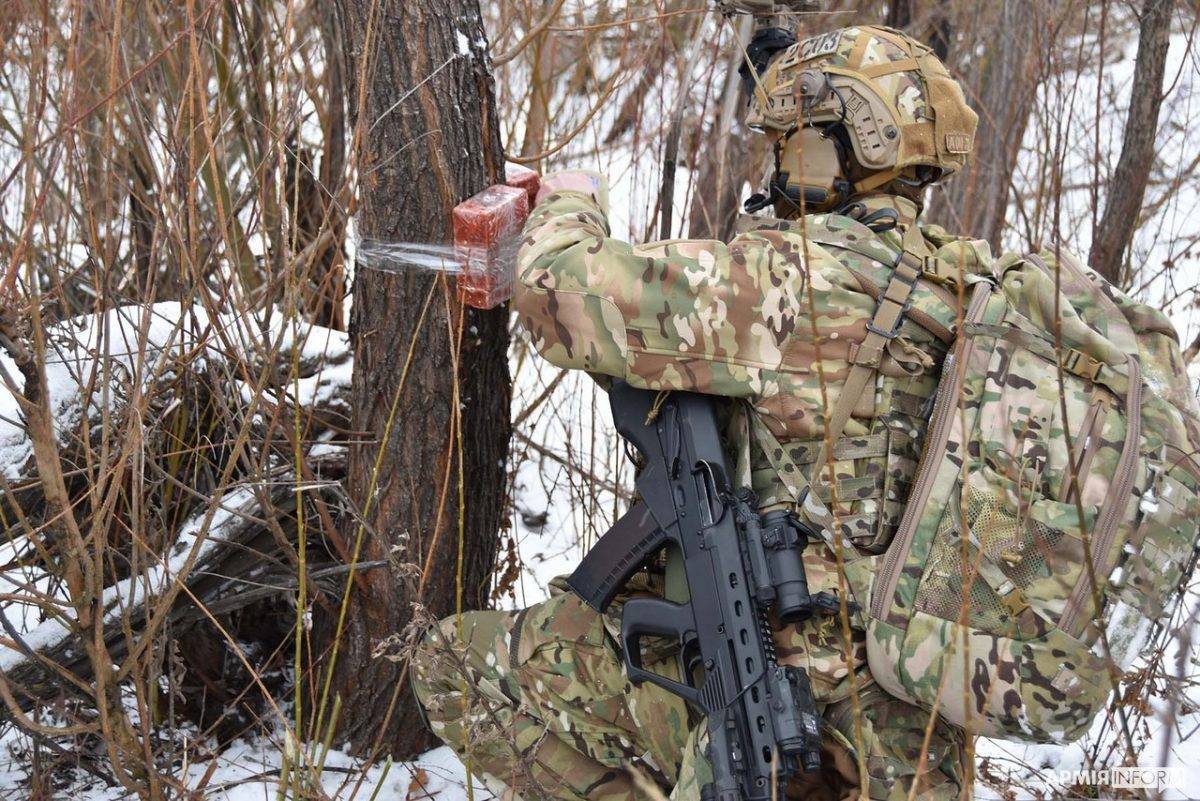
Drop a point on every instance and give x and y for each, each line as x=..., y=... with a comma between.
x=487, y=232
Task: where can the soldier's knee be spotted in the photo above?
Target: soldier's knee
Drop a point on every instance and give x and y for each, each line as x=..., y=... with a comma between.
x=901, y=749
x=459, y=659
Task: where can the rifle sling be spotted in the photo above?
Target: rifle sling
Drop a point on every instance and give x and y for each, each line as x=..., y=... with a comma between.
x=793, y=479
x=858, y=567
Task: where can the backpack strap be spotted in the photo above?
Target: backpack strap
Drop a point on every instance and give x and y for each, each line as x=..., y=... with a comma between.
x=859, y=567
x=884, y=327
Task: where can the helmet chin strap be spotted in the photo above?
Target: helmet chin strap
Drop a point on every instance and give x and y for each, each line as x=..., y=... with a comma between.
x=875, y=180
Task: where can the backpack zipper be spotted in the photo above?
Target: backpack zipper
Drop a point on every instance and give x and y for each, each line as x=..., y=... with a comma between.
x=1106, y=522
x=936, y=435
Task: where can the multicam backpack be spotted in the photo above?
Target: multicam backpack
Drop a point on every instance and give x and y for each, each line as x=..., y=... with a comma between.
x=1058, y=446
x=1054, y=510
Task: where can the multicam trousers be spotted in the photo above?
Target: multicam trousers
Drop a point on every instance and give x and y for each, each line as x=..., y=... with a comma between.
x=537, y=704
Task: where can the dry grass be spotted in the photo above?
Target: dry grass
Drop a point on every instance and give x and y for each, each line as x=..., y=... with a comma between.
x=185, y=163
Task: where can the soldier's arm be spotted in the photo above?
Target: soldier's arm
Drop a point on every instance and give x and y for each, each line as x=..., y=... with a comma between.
x=686, y=314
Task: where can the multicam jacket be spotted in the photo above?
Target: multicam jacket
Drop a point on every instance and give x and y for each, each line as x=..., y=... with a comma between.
x=1063, y=436
x=772, y=317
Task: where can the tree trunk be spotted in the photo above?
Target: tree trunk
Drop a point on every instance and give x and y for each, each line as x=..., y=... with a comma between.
x=429, y=140
x=930, y=23
x=975, y=202
x=324, y=303
x=542, y=83
x=1127, y=188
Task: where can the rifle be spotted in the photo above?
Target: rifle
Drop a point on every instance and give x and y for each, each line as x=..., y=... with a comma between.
x=761, y=718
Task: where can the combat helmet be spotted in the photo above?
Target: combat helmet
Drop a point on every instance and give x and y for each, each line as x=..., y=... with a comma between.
x=856, y=110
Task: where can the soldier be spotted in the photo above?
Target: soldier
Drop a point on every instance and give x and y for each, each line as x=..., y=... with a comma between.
x=814, y=321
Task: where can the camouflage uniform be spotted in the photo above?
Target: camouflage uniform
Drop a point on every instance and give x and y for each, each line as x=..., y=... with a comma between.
x=537, y=704
x=537, y=701
x=788, y=320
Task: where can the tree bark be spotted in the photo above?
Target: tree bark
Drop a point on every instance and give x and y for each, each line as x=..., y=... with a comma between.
x=1128, y=185
x=975, y=202
x=430, y=139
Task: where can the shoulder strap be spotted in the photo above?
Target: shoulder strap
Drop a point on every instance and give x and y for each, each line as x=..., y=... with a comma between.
x=884, y=327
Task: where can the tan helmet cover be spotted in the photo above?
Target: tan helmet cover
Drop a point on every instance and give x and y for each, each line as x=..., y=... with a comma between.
x=900, y=107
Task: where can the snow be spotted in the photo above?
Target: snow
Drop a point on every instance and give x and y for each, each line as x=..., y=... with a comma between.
x=249, y=770
x=121, y=351
x=195, y=537
x=464, y=43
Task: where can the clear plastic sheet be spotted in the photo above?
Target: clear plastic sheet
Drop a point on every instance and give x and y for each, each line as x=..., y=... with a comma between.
x=487, y=233
x=482, y=259
x=375, y=254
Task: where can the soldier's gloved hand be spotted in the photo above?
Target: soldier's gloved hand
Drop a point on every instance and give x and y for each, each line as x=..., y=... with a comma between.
x=586, y=182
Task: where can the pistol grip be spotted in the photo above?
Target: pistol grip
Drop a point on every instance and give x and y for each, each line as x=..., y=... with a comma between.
x=654, y=617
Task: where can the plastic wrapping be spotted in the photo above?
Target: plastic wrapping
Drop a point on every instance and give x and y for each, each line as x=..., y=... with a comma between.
x=375, y=254
x=484, y=228
x=487, y=233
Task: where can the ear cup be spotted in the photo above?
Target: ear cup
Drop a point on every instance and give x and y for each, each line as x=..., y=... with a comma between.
x=811, y=165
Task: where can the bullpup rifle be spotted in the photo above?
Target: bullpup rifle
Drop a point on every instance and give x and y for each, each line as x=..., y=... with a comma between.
x=741, y=567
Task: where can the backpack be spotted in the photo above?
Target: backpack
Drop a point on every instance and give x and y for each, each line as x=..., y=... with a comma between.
x=1053, y=515
x=1047, y=483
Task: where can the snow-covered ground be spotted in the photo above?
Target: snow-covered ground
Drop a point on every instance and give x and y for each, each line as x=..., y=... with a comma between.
x=250, y=771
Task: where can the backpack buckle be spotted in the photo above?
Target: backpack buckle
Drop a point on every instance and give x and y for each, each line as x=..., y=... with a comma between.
x=895, y=332
x=939, y=271
x=1080, y=364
